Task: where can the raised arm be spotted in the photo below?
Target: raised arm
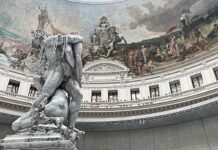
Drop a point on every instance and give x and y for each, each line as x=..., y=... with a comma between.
x=78, y=47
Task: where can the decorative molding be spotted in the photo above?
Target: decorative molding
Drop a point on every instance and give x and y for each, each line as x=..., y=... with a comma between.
x=109, y=69
x=104, y=66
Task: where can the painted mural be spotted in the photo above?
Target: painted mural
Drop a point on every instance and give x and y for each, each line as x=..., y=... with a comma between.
x=142, y=34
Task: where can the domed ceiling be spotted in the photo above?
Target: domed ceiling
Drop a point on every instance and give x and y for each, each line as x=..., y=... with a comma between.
x=135, y=19
x=133, y=22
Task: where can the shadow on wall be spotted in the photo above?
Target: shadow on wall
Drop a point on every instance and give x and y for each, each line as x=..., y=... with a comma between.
x=5, y=129
x=193, y=135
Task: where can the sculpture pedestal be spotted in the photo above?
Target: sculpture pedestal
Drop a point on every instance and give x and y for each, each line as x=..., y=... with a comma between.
x=37, y=141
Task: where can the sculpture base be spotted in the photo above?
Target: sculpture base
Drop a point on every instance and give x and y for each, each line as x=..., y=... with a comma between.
x=37, y=141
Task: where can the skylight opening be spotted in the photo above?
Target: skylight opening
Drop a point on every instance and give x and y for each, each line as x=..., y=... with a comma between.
x=97, y=1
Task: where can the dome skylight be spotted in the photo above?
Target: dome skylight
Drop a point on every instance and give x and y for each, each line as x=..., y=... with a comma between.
x=96, y=1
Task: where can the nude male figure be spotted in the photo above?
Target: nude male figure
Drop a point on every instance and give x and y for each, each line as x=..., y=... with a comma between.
x=63, y=54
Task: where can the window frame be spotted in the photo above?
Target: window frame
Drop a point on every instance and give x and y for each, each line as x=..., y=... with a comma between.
x=156, y=90
x=135, y=94
x=215, y=70
x=97, y=95
x=13, y=86
x=177, y=85
x=114, y=94
x=33, y=92
x=197, y=80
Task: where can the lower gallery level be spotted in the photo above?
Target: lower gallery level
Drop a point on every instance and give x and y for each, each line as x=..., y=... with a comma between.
x=193, y=135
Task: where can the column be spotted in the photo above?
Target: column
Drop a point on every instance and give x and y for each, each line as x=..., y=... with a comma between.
x=104, y=95
x=124, y=94
x=121, y=94
x=186, y=83
x=164, y=88
x=87, y=94
x=24, y=88
x=208, y=76
x=144, y=91
x=4, y=80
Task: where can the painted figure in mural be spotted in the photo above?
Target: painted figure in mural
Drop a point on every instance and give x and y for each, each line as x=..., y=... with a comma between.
x=159, y=57
x=95, y=39
x=181, y=50
x=62, y=53
x=102, y=31
x=214, y=33
x=185, y=21
x=2, y=49
x=4, y=56
x=104, y=23
x=144, y=53
x=104, y=40
x=173, y=46
x=139, y=60
x=43, y=18
x=201, y=42
x=185, y=17
x=149, y=66
x=125, y=55
x=131, y=58
x=197, y=34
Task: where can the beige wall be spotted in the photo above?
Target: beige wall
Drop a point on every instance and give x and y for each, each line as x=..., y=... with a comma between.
x=195, y=135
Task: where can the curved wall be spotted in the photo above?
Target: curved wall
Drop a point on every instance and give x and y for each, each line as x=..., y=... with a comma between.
x=195, y=135
x=5, y=129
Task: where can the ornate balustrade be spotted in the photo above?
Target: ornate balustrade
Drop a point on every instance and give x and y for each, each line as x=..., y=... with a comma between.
x=16, y=99
x=172, y=98
x=181, y=96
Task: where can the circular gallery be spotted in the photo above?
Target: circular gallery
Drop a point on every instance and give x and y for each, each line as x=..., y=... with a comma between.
x=109, y=74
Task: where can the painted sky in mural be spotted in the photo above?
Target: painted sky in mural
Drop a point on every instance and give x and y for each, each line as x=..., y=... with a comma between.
x=135, y=19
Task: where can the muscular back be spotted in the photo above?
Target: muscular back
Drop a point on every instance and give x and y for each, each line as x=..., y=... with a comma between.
x=53, y=52
x=53, y=47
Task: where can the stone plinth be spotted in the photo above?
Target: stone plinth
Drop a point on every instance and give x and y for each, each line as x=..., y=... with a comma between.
x=37, y=141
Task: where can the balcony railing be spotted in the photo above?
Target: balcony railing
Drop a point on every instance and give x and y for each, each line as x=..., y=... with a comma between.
x=147, y=102
x=172, y=98
x=16, y=98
